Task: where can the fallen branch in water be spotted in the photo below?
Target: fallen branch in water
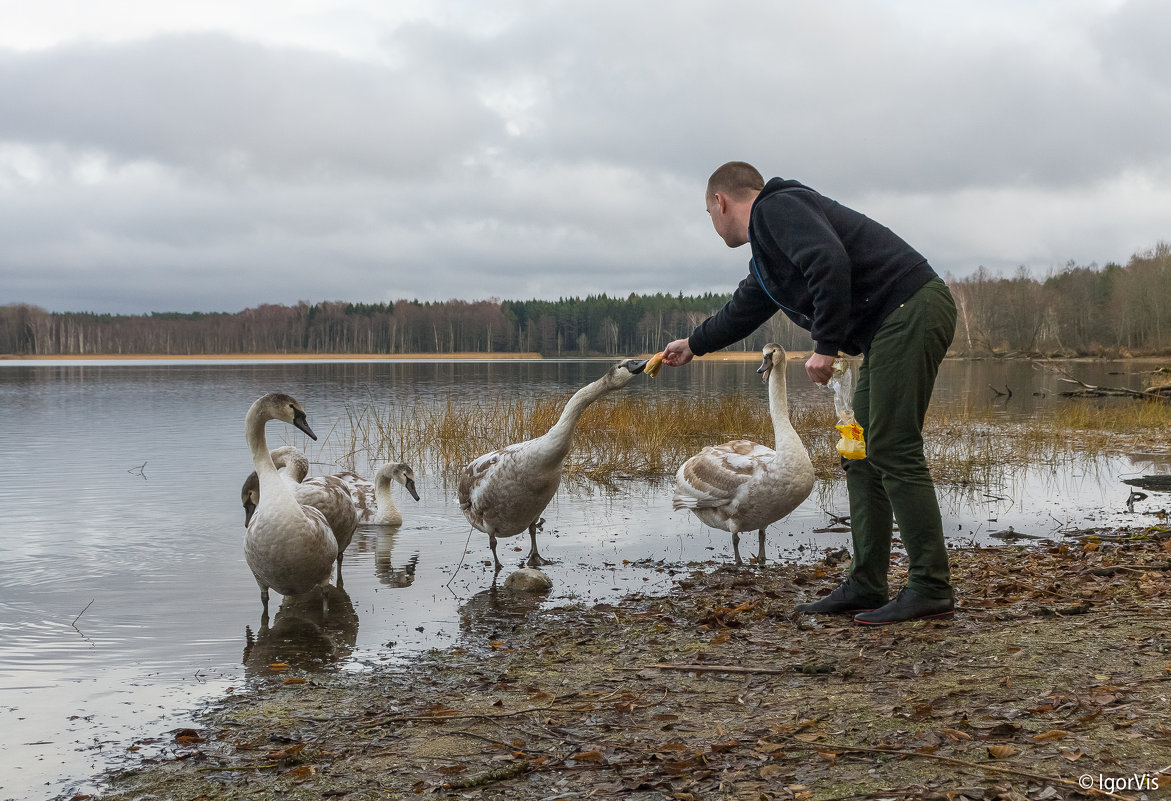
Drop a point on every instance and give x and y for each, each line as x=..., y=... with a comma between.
x=82, y=612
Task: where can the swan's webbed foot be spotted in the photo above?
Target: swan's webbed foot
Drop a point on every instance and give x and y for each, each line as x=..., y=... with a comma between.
x=536, y=560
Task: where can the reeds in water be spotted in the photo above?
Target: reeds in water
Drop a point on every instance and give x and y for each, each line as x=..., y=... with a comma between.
x=648, y=438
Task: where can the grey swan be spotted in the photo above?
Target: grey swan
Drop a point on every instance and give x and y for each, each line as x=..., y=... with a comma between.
x=289, y=546
x=503, y=493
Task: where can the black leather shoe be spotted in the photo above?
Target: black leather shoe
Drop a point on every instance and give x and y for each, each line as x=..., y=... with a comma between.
x=844, y=600
x=908, y=605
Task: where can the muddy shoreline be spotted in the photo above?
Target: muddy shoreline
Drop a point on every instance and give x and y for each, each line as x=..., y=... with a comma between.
x=1056, y=667
x=726, y=355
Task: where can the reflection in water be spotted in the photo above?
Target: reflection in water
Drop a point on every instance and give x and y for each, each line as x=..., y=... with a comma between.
x=497, y=611
x=1160, y=462
x=401, y=576
x=302, y=636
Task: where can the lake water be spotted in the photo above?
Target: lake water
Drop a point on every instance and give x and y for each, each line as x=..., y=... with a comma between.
x=125, y=600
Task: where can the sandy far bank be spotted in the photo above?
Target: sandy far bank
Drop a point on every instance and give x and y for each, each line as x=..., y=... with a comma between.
x=728, y=356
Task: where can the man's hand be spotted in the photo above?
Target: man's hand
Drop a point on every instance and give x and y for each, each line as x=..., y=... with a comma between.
x=820, y=368
x=678, y=353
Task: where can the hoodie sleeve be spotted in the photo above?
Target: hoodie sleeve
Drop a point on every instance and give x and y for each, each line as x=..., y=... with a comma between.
x=748, y=309
x=794, y=224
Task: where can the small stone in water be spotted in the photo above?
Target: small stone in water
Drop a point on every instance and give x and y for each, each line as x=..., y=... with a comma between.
x=528, y=579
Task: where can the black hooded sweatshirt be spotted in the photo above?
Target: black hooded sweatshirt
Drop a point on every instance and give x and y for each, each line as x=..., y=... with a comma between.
x=833, y=271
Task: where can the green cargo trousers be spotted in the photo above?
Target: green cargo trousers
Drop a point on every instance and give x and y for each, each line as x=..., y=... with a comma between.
x=892, y=483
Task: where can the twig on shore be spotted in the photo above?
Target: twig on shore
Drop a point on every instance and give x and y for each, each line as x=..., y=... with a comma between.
x=824, y=745
x=459, y=716
x=500, y=774
x=712, y=668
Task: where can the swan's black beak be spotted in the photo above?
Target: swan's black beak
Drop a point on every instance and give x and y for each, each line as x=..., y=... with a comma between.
x=637, y=367
x=410, y=485
x=766, y=367
x=249, y=508
x=300, y=422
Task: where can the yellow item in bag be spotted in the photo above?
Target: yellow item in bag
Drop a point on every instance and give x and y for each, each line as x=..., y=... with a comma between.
x=852, y=445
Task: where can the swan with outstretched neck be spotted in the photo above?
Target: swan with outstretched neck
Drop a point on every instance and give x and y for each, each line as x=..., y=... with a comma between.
x=504, y=492
x=289, y=546
x=744, y=486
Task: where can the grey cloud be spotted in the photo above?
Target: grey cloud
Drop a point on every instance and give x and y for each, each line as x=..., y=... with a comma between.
x=865, y=105
x=211, y=102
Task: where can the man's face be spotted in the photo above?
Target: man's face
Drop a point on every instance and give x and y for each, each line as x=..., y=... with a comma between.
x=715, y=212
x=720, y=210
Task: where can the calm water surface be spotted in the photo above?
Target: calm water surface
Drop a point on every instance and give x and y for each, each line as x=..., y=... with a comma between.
x=125, y=600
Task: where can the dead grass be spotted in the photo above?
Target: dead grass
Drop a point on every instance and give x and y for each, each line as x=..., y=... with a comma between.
x=630, y=436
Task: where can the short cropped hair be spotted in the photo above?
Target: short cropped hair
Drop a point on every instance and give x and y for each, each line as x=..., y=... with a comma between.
x=735, y=179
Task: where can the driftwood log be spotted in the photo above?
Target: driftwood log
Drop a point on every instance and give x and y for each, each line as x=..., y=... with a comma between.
x=1160, y=393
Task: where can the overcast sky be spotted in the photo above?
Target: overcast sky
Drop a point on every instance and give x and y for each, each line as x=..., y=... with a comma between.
x=217, y=155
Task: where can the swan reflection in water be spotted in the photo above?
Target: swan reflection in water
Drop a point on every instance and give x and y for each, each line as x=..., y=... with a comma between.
x=390, y=574
x=301, y=635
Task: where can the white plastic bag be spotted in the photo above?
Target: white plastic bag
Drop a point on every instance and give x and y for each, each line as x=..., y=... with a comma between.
x=852, y=444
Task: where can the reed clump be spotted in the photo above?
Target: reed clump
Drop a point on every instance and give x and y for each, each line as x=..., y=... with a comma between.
x=648, y=438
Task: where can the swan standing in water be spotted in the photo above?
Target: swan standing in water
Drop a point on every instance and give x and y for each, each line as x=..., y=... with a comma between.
x=289, y=546
x=740, y=485
x=327, y=494
x=502, y=493
x=372, y=499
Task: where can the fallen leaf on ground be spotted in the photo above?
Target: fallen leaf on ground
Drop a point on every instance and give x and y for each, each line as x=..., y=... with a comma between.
x=587, y=756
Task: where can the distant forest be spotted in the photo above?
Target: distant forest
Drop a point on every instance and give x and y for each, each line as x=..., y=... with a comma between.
x=1080, y=310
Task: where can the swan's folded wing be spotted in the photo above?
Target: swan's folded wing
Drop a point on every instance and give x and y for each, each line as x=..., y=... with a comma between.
x=714, y=476
x=474, y=476
x=330, y=495
x=361, y=493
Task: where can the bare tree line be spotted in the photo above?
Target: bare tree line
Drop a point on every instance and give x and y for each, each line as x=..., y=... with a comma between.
x=1080, y=310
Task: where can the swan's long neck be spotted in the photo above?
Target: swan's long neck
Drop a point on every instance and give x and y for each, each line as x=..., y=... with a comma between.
x=295, y=463
x=273, y=491
x=560, y=437
x=778, y=408
x=388, y=513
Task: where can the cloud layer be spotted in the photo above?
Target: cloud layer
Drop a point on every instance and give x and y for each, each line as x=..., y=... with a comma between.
x=219, y=161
